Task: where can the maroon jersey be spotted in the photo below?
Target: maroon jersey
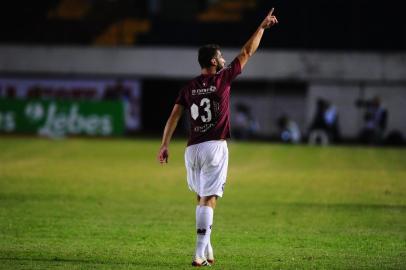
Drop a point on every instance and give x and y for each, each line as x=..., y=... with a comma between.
x=207, y=100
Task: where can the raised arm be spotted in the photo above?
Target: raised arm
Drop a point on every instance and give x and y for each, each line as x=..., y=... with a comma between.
x=170, y=127
x=252, y=44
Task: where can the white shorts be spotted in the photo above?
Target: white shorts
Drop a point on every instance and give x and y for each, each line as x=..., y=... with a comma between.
x=206, y=167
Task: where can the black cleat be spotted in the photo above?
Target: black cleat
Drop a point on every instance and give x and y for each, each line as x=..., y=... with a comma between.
x=200, y=262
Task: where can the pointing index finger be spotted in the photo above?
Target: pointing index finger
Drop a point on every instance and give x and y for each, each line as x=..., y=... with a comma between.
x=270, y=12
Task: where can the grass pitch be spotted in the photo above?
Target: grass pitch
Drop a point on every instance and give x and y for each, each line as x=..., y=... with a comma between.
x=107, y=204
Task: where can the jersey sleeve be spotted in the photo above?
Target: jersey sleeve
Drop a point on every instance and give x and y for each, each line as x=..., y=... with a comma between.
x=232, y=70
x=181, y=99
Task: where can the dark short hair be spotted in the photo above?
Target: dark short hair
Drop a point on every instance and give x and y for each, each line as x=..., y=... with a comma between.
x=206, y=53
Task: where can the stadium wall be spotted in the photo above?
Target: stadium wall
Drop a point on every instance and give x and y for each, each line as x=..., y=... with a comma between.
x=181, y=63
x=341, y=77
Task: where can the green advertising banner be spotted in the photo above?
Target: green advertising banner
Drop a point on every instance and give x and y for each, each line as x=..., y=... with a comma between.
x=60, y=118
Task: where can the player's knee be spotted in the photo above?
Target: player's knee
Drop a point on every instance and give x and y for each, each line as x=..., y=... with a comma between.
x=208, y=201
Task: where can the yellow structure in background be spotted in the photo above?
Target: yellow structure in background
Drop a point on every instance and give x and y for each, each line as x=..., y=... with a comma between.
x=226, y=11
x=123, y=32
x=71, y=9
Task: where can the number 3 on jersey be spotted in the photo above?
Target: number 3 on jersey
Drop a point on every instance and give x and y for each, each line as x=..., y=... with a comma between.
x=205, y=104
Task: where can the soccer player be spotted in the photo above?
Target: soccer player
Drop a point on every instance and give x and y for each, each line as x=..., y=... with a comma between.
x=206, y=98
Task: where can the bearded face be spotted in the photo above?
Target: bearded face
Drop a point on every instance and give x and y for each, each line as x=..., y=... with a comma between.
x=220, y=61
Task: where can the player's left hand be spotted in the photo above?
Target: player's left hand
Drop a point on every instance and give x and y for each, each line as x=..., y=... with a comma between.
x=270, y=20
x=163, y=154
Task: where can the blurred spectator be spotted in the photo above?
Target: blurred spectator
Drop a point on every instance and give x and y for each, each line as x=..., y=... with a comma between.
x=324, y=128
x=9, y=92
x=375, y=120
x=245, y=125
x=331, y=120
x=289, y=130
x=116, y=92
x=122, y=92
x=132, y=113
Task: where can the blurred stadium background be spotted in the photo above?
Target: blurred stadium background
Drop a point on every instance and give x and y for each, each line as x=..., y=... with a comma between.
x=331, y=71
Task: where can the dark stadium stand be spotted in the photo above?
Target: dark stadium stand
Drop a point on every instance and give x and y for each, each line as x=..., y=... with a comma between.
x=327, y=25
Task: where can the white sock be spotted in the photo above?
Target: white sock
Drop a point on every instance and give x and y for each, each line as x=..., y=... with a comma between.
x=204, y=220
x=209, y=251
x=197, y=212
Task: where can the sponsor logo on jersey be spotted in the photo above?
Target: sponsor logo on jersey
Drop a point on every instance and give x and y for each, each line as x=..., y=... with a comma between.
x=203, y=128
x=204, y=91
